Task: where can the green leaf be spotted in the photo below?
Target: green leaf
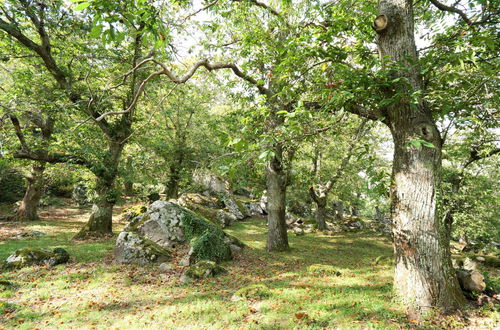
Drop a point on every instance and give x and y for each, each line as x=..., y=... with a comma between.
x=82, y=6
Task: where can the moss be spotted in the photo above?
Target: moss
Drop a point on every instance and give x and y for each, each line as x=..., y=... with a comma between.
x=137, y=222
x=241, y=207
x=133, y=212
x=206, y=238
x=253, y=291
x=28, y=257
x=153, y=248
x=323, y=270
x=204, y=268
x=206, y=212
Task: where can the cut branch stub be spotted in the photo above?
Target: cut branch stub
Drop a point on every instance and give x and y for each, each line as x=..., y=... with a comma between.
x=380, y=23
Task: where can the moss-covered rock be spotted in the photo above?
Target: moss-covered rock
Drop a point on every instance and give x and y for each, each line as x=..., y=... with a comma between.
x=203, y=269
x=252, y=292
x=31, y=257
x=169, y=225
x=132, y=212
x=132, y=248
x=326, y=270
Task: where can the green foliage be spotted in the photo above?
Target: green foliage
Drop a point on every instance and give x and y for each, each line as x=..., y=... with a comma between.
x=12, y=184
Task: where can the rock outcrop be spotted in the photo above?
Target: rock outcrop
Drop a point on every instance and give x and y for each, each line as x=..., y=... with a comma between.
x=36, y=257
x=167, y=225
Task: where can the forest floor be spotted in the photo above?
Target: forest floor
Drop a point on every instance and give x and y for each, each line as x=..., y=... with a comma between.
x=94, y=292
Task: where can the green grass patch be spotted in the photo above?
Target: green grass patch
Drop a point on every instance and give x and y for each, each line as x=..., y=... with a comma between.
x=303, y=290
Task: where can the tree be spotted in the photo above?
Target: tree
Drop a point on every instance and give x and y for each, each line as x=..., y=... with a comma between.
x=320, y=195
x=37, y=33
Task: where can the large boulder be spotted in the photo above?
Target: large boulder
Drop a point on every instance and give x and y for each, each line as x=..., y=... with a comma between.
x=132, y=248
x=169, y=225
x=471, y=280
x=36, y=257
x=233, y=206
x=211, y=182
x=253, y=208
x=208, y=207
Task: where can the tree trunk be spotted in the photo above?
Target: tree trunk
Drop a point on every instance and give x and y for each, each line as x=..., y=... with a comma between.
x=424, y=278
x=339, y=211
x=27, y=211
x=172, y=190
x=100, y=221
x=277, y=237
x=129, y=185
x=321, y=214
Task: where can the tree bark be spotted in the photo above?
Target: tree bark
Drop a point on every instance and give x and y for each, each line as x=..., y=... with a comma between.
x=321, y=215
x=172, y=190
x=129, y=184
x=277, y=237
x=424, y=278
x=27, y=211
x=101, y=218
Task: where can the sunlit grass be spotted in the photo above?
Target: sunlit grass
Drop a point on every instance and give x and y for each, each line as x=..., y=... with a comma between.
x=92, y=292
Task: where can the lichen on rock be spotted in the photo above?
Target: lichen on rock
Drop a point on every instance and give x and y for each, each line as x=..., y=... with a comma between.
x=168, y=225
x=35, y=257
x=203, y=269
x=132, y=248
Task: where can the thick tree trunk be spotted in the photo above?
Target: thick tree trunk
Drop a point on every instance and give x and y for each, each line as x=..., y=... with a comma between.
x=277, y=237
x=27, y=211
x=424, y=278
x=100, y=221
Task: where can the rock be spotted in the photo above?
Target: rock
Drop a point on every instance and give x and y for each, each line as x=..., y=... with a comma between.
x=132, y=248
x=169, y=225
x=233, y=206
x=188, y=199
x=481, y=259
x=30, y=234
x=133, y=212
x=235, y=249
x=309, y=229
x=470, y=264
x=323, y=270
x=165, y=267
x=252, y=292
x=210, y=182
x=36, y=257
x=471, y=280
x=298, y=231
x=210, y=207
x=203, y=269
x=486, y=300
x=263, y=203
x=354, y=223
x=253, y=208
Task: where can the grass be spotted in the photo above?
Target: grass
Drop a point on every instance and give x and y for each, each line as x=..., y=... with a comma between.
x=92, y=292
